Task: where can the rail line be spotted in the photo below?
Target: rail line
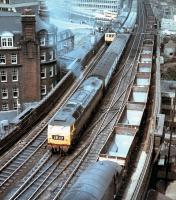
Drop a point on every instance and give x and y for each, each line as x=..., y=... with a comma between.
x=43, y=183
x=57, y=193
x=32, y=147
x=102, y=135
x=145, y=148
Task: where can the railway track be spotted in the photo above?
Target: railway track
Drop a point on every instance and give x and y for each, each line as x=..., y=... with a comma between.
x=52, y=190
x=109, y=120
x=20, y=159
x=141, y=166
x=54, y=175
x=26, y=157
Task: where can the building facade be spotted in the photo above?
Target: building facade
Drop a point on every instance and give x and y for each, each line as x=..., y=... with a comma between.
x=101, y=10
x=17, y=5
x=28, y=66
x=168, y=95
x=99, y=6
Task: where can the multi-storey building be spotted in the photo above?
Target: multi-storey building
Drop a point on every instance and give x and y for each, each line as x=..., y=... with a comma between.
x=65, y=42
x=28, y=66
x=17, y=5
x=99, y=6
x=102, y=11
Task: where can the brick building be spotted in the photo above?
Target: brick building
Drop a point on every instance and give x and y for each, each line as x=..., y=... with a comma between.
x=168, y=93
x=28, y=66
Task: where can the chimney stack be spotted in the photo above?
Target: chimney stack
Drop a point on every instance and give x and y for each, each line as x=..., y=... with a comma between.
x=28, y=25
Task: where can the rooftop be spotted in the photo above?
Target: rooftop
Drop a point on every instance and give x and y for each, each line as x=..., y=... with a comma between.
x=13, y=20
x=166, y=88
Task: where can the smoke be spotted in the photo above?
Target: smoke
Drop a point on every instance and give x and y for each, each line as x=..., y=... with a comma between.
x=75, y=67
x=58, y=9
x=61, y=14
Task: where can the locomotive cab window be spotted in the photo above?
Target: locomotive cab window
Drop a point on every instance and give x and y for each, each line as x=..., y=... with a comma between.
x=76, y=114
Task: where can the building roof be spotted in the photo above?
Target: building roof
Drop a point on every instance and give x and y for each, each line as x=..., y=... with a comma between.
x=12, y=19
x=15, y=26
x=8, y=115
x=168, y=26
x=166, y=88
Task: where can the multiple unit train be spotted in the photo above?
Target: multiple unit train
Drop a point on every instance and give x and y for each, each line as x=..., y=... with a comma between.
x=96, y=182
x=65, y=127
x=100, y=180
x=125, y=22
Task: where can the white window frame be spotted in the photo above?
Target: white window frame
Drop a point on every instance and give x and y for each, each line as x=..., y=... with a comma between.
x=43, y=87
x=51, y=40
x=15, y=90
x=3, y=73
x=13, y=58
x=43, y=71
x=5, y=106
x=2, y=57
x=51, y=71
x=51, y=53
x=4, y=91
x=43, y=57
x=42, y=41
x=15, y=105
x=6, y=41
x=14, y=74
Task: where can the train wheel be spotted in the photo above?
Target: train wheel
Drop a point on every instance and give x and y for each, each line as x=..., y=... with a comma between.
x=53, y=150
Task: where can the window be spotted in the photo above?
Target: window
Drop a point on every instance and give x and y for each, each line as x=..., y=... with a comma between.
x=51, y=71
x=5, y=106
x=6, y=41
x=15, y=75
x=42, y=41
x=51, y=55
x=14, y=58
x=3, y=75
x=15, y=105
x=4, y=1
x=43, y=57
x=51, y=39
x=4, y=93
x=55, y=67
x=43, y=89
x=2, y=59
x=15, y=92
x=52, y=86
x=43, y=73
